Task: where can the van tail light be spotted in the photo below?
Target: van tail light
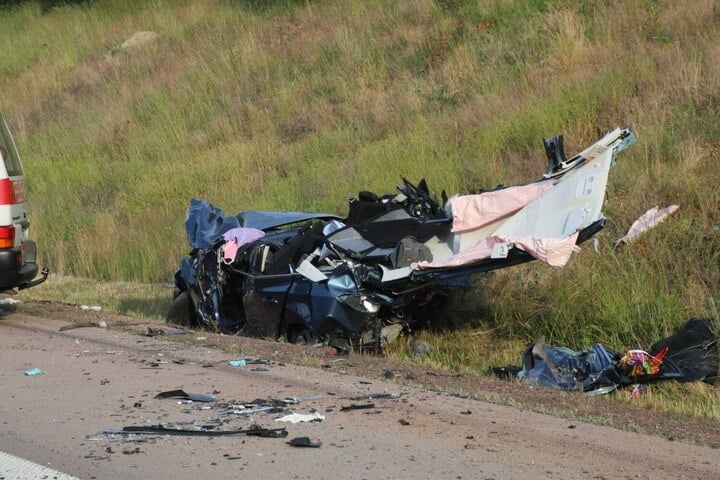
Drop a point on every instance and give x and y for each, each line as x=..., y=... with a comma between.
x=7, y=237
x=7, y=192
x=12, y=191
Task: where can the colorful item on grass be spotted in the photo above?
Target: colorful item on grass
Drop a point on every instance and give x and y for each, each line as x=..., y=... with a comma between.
x=637, y=363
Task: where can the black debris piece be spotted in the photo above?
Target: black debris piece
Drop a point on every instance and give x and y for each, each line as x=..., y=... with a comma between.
x=162, y=430
x=155, y=331
x=370, y=396
x=195, y=397
x=356, y=406
x=403, y=422
x=505, y=373
x=304, y=442
x=694, y=348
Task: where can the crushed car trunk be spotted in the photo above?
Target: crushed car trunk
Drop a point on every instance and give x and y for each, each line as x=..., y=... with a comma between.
x=362, y=280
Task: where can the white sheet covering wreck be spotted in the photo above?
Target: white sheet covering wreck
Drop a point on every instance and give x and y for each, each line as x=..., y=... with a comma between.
x=542, y=218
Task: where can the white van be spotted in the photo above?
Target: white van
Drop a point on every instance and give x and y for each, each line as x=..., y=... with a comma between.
x=18, y=264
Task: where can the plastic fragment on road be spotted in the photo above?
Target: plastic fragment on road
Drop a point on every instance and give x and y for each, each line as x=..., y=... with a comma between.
x=238, y=363
x=304, y=442
x=601, y=391
x=648, y=220
x=8, y=301
x=155, y=331
x=355, y=406
x=196, y=397
x=371, y=396
x=240, y=410
x=301, y=417
x=73, y=326
x=34, y=372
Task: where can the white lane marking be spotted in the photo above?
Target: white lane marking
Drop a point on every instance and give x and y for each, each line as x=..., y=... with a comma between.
x=16, y=468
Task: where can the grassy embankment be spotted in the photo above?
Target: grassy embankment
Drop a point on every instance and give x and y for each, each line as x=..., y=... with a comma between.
x=298, y=105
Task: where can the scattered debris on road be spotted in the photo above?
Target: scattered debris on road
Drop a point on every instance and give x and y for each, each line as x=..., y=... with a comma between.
x=34, y=372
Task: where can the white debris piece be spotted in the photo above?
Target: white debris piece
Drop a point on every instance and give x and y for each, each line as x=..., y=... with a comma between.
x=94, y=308
x=8, y=301
x=301, y=417
x=648, y=220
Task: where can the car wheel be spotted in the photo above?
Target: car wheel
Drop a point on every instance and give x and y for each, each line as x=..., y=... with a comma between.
x=304, y=337
x=182, y=311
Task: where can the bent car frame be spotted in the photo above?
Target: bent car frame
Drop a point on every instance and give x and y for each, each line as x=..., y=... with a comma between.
x=363, y=280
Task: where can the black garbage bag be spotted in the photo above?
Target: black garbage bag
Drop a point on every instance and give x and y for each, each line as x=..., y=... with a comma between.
x=694, y=349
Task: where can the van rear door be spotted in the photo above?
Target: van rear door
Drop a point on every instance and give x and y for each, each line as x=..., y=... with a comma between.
x=17, y=252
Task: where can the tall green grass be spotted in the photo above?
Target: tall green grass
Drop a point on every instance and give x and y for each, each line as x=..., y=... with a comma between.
x=298, y=105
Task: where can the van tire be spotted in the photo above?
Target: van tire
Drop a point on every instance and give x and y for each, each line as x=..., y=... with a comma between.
x=182, y=311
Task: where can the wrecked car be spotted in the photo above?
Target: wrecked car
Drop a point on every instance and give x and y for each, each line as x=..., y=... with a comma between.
x=362, y=280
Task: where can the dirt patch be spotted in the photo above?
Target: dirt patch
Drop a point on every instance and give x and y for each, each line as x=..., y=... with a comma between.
x=572, y=405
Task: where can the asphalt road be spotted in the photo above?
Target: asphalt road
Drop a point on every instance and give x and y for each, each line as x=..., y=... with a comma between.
x=99, y=379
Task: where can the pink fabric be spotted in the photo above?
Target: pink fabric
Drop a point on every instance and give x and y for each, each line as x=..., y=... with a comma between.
x=553, y=251
x=648, y=220
x=236, y=238
x=474, y=211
